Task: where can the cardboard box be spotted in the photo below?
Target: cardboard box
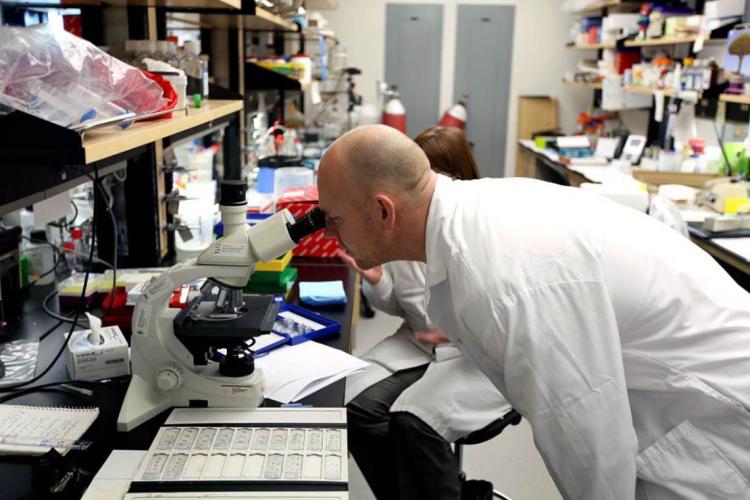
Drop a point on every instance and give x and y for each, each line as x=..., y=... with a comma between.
x=535, y=114
x=299, y=201
x=109, y=359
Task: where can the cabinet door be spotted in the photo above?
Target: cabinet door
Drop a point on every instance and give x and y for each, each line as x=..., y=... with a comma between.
x=413, y=46
x=484, y=53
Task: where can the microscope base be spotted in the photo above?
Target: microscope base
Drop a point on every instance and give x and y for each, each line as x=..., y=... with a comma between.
x=144, y=400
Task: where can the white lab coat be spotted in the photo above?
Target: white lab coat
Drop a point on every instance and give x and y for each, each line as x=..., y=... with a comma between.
x=625, y=346
x=453, y=396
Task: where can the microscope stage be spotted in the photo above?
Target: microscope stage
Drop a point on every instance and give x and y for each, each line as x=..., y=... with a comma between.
x=256, y=318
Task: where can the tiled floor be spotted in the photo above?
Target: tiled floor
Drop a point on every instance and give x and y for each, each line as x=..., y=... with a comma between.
x=510, y=461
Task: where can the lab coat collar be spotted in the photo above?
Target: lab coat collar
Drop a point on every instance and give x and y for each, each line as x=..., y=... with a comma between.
x=435, y=249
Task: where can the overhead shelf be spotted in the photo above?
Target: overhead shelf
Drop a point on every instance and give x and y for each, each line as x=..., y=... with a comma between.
x=179, y=4
x=590, y=46
x=665, y=40
x=262, y=20
x=44, y=159
x=102, y=143
x=649, y=91
x=738, y=99
x=584, y=85
x=657, y=178
x=598, y=5
x=312, y=33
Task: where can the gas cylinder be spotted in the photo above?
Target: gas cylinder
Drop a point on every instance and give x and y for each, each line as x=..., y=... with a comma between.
x=394, y=114
x=455, y=116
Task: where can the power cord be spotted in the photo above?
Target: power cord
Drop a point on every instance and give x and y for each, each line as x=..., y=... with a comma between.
x=13, y=388
x=109, y=202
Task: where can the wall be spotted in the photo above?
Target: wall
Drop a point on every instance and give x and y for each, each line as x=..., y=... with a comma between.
x=539, y=58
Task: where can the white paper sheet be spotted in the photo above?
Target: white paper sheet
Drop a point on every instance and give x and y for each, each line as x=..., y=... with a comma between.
x=306, y=364
x=739, y=246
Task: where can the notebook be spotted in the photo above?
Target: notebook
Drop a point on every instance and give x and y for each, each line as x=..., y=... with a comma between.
x=34, y=430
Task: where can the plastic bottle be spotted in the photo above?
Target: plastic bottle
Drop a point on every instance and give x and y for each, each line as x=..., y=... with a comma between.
x=151, y=49
x=74, y=247
x=191, y=63
x=130, y=51
x=41, y=258
x=141, y=48
x=305, y=63
x=172, y=58
x=162, y=50
x=203, y=61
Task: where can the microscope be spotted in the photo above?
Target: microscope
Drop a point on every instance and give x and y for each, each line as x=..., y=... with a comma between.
x=173, y=350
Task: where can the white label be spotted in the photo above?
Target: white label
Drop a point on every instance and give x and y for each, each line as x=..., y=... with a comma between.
x=143, y=311
x=234, y=390
x=161, y=285
x=229, y=249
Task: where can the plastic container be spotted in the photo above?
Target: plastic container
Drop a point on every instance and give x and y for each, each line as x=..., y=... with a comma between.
x=291, y=177
x=305, y=63
x=265, y=181
x=74, y=246
x=41, y=258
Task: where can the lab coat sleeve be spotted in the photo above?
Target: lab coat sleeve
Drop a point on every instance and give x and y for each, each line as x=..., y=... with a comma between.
x=382, y=295
x=561, y=366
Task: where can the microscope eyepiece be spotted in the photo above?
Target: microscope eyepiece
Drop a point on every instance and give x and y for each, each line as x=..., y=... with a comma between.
x=307, y=224
x=233, y=193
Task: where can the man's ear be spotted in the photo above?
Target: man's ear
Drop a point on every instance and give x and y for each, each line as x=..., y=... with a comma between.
x=386, y=211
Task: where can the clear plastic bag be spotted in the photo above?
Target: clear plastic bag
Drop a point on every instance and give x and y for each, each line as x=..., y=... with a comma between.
x=56, y=76
x=19, y=357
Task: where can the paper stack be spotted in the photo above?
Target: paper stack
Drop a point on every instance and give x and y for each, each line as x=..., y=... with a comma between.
x=294, y=372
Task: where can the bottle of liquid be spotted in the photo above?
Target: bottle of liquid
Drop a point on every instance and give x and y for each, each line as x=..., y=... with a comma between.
x=41, y=258
x=74, y=249
x=203, y=59
x=191, y=62
x=172, y=54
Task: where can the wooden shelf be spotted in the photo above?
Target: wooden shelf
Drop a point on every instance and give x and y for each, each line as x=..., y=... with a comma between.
x=312, y=33
x=649, y=91
x=598, y=5
x=261, y=20
x=658, y=178
x=102, y=143
x=180, y=4
x=738, y=99
x=52, y=4
x=592, y=46
x=267, y=20
x=665, y=40
x=583, y=85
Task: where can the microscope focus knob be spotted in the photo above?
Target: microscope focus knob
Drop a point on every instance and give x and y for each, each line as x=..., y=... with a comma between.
x=168, y=377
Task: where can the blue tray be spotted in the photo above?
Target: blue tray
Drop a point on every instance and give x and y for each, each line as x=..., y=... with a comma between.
x=329, y=327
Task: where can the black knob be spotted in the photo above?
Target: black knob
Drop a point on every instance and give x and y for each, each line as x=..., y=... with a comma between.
x=233, y=193
x=238, y=362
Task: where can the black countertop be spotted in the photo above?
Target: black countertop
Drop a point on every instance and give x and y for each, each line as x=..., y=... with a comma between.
x=29, y=477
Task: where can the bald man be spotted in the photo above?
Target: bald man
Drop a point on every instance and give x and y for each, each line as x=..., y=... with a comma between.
x=625, y=346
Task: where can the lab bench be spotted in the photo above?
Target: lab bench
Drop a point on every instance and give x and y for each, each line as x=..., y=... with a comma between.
x=542, y=164
x=22, y=476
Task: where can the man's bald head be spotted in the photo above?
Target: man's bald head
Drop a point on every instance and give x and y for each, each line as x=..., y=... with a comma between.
x=378, y=158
